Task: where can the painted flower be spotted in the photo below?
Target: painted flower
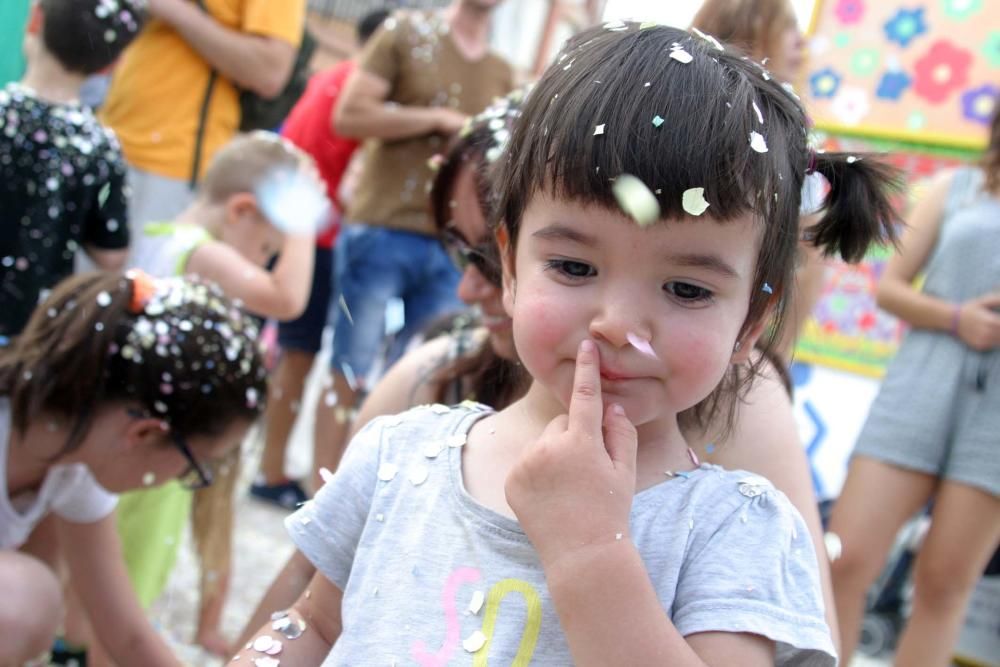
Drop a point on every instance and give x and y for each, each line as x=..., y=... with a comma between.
x=991, y=48
x=917, y=120
x=824, y=83
x=961, y=9
x=978, y=103
x=906, y=25
x=851, y=105
x=941, y=71
x=892, y=85
x=842, y=40
x=849, y=11
x=864, y=61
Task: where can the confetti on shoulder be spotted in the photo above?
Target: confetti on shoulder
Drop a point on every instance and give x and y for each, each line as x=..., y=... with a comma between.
x=636, y=200
x=693, y=201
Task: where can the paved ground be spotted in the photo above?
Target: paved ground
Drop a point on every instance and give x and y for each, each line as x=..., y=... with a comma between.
x=261, y=549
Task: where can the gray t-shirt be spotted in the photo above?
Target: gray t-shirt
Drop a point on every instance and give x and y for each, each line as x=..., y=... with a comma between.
x=431, y=577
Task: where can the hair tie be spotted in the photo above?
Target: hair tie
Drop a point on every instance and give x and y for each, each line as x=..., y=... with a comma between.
x=811, y=168
x=143, y=289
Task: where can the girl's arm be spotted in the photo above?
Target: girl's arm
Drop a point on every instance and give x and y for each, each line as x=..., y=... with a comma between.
x=765, y=440
x=319, y=608
x=976, y=322
x=97, y=571
x=281, y=293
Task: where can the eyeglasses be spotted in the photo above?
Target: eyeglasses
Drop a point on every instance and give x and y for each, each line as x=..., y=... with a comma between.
x=196, y=476
x=483, y=256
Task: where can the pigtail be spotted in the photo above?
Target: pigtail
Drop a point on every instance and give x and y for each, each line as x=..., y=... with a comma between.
x=858, y=210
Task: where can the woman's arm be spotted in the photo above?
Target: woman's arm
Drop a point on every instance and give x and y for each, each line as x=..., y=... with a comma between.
x=319, y=608
x=93, y=554
x=765, y=440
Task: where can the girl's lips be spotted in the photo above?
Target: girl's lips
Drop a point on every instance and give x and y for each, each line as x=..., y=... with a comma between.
x=612, y=376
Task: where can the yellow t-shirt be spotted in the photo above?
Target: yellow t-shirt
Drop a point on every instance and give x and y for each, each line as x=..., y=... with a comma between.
x=159, y=86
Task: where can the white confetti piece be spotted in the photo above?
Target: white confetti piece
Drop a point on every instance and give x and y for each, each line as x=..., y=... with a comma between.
x=325, y=475
x=641, y=344
x=657, y=120
x=708, y=38
x=760, y=116
x=457, y=440
x=275, y=648
x=599, y=129
x=440, y=409
x=347, y=311
x=263, y=643
x=648, y=24
x=474, y=642
x=852, y=159
x=380, y=517
x=266, y=662
x=387, y=471
x=693, y=201
x=103, y=299
x=618, y=536
x=834, y=546
x=757, y=142
x=148, y=479
x=476, y=603
x=635, y=199
x=681, y=56
x=418, y=475
x=433, y=449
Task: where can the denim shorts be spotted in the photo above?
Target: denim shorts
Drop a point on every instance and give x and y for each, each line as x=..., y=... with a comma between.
x=305, y=333
x=374, y=265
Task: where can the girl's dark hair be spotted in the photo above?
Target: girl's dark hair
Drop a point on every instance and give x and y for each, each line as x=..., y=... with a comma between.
x=86, y=36
x=187, y=355
x=991, y=160
x=622, y=76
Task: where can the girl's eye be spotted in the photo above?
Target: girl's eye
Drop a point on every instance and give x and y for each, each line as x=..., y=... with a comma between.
x=688, y=292
x=571, y=269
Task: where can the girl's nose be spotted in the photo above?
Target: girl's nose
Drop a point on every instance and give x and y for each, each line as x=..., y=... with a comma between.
x=616, y=320
x=473, y=287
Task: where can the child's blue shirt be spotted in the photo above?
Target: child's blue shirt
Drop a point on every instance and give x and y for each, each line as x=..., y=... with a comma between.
x=431, y=577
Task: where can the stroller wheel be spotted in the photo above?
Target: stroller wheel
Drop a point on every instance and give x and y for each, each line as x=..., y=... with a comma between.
x=878, y=635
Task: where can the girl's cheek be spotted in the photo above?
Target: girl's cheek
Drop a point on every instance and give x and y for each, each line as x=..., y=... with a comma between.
x=541, y=328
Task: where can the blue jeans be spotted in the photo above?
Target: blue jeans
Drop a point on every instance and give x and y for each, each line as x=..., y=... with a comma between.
x=305, y=334
x=374, y=265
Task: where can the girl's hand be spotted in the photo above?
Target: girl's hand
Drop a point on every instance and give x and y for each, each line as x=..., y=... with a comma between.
x=572, y=490
x=979, y=322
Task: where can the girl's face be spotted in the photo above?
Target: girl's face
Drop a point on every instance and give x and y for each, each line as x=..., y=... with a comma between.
x=788, y=48
x=582, y=271
x=469, y=228
x=153, y=460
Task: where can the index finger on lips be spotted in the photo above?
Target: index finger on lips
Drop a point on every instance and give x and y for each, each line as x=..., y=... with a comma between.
x=586, y=411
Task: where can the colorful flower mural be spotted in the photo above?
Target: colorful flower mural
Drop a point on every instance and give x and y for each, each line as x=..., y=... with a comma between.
x=905, y=26
x=850, y=11
x=961, y=9
x=940, y=72
x=824, y=83
x=851, y=105
x=991, y=48
x=978, y=103
x=892, y=85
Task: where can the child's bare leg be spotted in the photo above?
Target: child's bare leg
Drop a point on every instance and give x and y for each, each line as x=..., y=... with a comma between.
x=30, y=608
x=285, y=395
x=333, y=425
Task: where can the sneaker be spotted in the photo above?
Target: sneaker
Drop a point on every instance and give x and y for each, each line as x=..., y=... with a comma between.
x=288, y=495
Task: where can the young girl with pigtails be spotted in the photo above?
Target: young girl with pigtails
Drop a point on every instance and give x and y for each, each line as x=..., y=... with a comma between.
x=647, y=219
x=117, y=383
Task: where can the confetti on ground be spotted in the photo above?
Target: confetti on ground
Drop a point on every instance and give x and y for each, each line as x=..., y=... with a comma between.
x=641, y=344
x=599, y=129
x=693, y=201
x=474, y=642
x=636, y=200
x=476, y=603
x=757, y=142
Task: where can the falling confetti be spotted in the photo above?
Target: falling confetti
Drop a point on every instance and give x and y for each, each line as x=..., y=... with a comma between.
x=757, y=142
x=693, y=201
x=641, y=344
x=346, y=310
x=636, y=200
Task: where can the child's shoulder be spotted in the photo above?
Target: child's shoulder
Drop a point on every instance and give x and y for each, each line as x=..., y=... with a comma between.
x=430, y=427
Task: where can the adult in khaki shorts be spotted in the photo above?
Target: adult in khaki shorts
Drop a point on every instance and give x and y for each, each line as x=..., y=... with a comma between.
x=158, y=93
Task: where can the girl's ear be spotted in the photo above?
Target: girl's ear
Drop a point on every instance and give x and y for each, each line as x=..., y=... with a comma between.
x=507, y=265
x=145, y=431
x=745, y=344
x=36, y=20
x=240, y=205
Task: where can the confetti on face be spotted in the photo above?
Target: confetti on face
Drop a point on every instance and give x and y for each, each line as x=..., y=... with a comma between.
x=693, y=201
x=681, y=56
x=599, y=129
x=636, y=200
x=641, y=344
x=474, y=642
x=757, y=142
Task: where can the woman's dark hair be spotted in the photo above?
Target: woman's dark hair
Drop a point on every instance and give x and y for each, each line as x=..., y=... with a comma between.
x=86, y=36
x=483, y=375
x=991, y=160
x=627, y=78
x=182, y=352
